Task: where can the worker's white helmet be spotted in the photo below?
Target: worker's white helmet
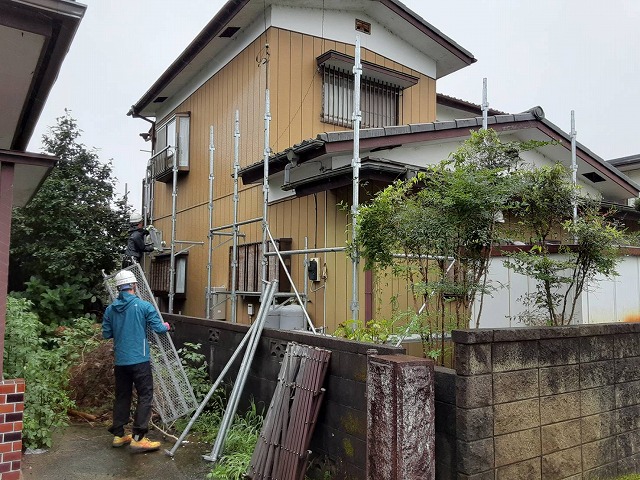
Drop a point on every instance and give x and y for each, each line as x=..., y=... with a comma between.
x=125, y=280
x=135, y=218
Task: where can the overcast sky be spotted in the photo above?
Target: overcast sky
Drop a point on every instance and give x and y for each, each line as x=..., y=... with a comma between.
x=563, y=55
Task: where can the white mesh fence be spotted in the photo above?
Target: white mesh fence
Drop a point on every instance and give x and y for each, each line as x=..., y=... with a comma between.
x=173, y=396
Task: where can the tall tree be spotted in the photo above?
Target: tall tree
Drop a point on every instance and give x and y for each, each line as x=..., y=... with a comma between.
x=74, y=226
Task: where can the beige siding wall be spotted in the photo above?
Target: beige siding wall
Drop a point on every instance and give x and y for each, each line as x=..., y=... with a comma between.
x=296, y=94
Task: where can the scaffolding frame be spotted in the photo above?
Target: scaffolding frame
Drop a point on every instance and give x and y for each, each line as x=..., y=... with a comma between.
x=266, y=233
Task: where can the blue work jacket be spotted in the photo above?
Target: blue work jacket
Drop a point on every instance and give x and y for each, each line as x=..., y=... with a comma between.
x=126, y=320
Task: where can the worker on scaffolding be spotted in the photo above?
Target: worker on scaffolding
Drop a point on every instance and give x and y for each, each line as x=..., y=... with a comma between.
x=126, y=321
x=136, y=244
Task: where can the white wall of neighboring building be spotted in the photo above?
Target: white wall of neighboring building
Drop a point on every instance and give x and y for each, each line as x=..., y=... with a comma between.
x=603, y=301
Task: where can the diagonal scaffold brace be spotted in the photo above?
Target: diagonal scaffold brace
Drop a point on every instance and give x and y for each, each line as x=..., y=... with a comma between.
x=250, y=337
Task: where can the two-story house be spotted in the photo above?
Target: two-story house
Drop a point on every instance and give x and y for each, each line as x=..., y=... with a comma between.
x=302, y=53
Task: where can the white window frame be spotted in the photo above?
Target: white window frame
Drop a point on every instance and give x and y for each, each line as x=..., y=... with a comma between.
x=174, y=133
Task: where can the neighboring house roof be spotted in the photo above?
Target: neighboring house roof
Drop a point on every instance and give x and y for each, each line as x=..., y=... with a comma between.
x=459, y=104
x=530, y=125
x=623, y=164
x=238, y=15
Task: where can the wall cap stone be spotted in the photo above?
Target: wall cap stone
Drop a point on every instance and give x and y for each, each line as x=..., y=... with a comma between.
x=299, y=336
x=518, y=334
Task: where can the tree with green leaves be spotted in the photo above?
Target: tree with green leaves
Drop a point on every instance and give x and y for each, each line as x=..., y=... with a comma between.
x=72, y=229
x=443, y=223
x=543, y=205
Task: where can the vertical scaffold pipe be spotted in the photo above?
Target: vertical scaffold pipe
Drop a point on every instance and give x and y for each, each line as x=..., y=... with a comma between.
x=234, y=260
x=574, y=165
x=485, y=104
x=174, y=201
x=265, y=183
x=355, y=164
x=212, y=149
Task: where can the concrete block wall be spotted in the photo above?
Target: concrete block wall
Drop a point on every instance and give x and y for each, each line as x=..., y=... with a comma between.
x=11, y=408
x=541, y=403
x=340, y=437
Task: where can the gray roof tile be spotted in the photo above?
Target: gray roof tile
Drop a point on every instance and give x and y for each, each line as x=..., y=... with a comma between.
x=397, y=130
x=522, y=117
x=444, y=125
x=421, y=127
x=371, y=132
x=467, y=122
x=504, y=118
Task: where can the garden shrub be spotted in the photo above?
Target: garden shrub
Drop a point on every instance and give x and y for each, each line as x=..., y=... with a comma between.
x=43, y=358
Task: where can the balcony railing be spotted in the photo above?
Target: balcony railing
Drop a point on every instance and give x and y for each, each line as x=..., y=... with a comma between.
x=161, y=165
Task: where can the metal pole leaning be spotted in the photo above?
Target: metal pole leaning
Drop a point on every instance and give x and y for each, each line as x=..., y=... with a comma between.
x=212, y=390
x=232, y=405
x=295, y=290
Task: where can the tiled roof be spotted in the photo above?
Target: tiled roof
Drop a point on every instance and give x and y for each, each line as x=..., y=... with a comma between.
x=625, y=161
x=453, y=102
x=318, y=146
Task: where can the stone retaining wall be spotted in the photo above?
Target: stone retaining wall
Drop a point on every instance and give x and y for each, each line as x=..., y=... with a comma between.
x=540, y=403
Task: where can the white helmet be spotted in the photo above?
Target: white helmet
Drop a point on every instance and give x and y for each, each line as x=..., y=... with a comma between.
x=135, y=218
x=124, y=279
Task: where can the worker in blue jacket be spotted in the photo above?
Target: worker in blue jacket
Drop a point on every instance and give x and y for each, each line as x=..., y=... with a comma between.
x=126, y=321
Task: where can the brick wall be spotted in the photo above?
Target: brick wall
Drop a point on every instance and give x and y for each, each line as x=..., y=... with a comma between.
x=11, y=408
x=540, y=403
x=341, y=432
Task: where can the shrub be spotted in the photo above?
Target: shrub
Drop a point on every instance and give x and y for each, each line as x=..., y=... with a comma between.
x=44, y=361
x=44, y=370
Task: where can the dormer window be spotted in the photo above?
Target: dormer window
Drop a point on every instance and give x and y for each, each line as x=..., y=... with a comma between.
x=380, y=91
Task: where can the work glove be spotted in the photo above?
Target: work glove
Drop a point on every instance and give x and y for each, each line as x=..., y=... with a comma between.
x=166, y=324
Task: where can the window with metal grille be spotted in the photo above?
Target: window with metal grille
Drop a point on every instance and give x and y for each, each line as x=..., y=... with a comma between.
x=159, y=275
x=248, y=281
x=379, y=101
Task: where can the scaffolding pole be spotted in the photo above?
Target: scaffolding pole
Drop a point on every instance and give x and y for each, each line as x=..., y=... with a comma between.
x=172, y=263
x=574, y=166
x=210, y=236
x=357, y=116
x=485, y=104
x=295, y=290
x=265, y=180
x=234, y=259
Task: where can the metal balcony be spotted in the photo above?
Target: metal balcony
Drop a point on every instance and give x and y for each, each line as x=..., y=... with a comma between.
x=161, y=165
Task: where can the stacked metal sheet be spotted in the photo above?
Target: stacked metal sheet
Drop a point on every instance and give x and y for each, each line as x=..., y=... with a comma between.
x=172, y=394
x=282, y=449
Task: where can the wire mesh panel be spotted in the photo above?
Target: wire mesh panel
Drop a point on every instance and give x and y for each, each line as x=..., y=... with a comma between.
x=173, y=396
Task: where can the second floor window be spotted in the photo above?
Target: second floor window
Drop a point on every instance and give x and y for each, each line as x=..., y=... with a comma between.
x=380, y=91
x=171, y=139
x=175, y=135
x=379, y=101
